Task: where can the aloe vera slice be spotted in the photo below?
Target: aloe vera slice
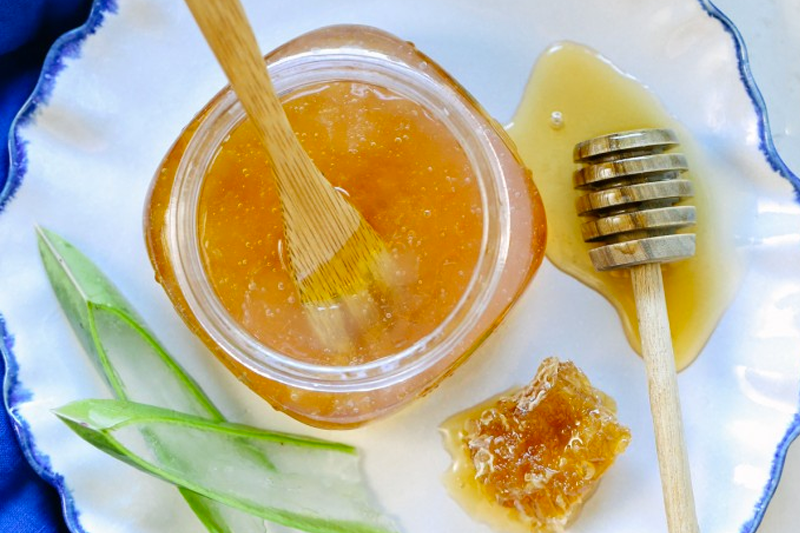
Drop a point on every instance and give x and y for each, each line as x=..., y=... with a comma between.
x=128, y=355
x=130, y=358
x=314, y=485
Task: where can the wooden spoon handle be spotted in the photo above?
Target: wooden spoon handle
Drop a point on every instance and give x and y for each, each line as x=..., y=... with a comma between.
x=673, y=461
x=228, y=33
x=311, y=206
x=225, y=26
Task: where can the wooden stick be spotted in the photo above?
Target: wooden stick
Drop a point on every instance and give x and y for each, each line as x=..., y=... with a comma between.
x=633, y=187
x=319, y=222
x=673, y=461
x=336, y=258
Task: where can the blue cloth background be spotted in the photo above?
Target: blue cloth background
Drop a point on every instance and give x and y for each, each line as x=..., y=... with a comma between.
x=27, y=30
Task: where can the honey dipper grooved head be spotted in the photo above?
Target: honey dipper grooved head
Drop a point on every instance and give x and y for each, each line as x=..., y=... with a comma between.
x=632, y=187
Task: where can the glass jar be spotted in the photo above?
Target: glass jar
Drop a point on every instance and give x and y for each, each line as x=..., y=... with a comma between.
x=508, y=214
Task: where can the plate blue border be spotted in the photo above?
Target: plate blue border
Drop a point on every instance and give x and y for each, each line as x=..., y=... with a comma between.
x=767, y=146
x=69, y=46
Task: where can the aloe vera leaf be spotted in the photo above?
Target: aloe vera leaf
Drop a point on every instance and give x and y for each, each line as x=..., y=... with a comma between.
x=315, y=485
x=130, y=358
x=127, y=353
x=116, y=339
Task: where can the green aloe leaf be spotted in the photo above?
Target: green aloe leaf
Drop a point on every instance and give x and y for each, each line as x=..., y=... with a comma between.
x=313, y=485
x=131, y=359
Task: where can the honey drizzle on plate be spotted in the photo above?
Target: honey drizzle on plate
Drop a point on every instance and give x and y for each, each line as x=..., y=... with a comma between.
x=575, y=94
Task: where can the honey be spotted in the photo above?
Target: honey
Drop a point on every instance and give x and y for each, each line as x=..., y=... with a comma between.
x=409, y=177
x=528, y=460
x=435, y=177
x=574, y=94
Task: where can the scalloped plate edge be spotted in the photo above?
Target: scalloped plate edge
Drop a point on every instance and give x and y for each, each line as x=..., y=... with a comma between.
x=69, y=46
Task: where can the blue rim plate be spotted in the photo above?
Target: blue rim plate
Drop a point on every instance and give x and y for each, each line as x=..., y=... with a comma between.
x=116, y=92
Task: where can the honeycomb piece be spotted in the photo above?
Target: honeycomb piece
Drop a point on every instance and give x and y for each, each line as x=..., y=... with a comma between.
x=539, y=453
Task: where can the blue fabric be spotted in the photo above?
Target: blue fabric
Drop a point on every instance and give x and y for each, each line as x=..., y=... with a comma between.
x=27, y=30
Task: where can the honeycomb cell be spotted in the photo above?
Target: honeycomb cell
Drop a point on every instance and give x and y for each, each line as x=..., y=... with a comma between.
x=535, y=455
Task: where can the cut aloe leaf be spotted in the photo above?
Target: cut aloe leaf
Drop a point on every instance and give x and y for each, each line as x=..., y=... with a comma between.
x=313, y=485
x=131, y=360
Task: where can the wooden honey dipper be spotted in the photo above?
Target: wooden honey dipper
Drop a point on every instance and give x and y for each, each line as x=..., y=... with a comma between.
x=632, y=186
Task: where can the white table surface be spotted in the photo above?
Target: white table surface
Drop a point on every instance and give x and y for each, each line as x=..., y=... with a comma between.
x=771, y=30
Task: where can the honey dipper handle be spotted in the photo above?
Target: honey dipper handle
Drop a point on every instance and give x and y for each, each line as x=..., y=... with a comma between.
x=673, y=461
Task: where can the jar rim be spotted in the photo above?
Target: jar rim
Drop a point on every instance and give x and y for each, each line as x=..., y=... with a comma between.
x=425, y=85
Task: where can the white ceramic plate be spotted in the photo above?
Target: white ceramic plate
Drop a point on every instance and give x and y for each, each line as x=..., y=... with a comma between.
x=115, y=94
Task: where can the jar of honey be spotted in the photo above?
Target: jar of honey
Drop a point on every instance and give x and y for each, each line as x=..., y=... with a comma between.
x=431, y=172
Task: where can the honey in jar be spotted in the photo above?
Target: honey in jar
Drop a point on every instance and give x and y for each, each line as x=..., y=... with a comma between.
x=387, y=156
x=434, y=176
